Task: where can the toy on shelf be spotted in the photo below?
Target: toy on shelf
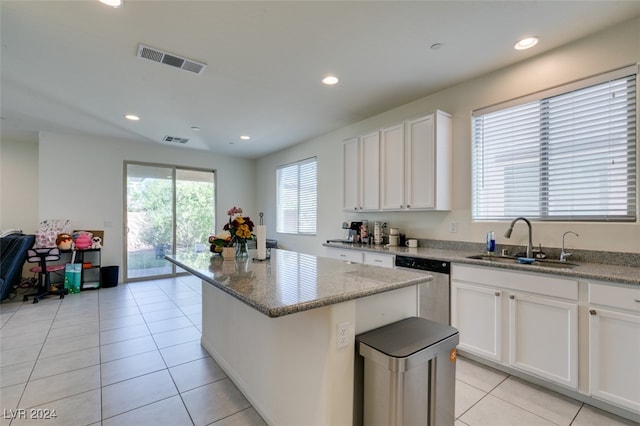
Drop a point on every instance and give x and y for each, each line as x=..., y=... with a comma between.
x=64, y=241
x=82, y=240
x=96, y=242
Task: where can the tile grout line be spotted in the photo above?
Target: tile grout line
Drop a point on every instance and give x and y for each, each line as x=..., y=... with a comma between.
x=38, y=356
x=576, y=415
x=171, y=375
x=517, y=406
x=146, y=323
x=215, y=381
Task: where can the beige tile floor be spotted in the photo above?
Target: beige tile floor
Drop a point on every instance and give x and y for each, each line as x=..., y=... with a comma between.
x=131, y=355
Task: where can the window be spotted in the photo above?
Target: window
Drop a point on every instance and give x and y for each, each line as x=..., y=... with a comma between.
x=168, y=209
x=565, y=154
x=297, y=197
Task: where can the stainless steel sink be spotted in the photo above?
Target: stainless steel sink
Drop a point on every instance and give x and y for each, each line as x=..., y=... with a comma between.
x=546, y=263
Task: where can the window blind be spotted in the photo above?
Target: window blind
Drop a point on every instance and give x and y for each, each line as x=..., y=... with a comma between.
x=570, y=155
x=297, y=185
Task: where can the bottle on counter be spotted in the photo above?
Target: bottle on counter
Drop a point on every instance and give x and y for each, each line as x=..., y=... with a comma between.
x=491, y=242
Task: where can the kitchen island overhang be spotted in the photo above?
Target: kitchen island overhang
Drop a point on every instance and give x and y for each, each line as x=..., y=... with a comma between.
x=272, y=326
x=293, y=282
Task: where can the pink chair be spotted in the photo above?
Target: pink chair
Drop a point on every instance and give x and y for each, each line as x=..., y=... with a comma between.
x=42, y=256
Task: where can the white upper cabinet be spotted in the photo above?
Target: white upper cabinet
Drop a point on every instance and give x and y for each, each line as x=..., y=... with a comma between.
x=361, y=171
x=351, y=175
x=370, y=171
x=392, y=167
x=428, y=162
x=402, y=167
x=416, y=164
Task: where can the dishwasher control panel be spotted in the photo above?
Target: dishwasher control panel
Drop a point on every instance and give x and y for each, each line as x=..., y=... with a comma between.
x=423, y=264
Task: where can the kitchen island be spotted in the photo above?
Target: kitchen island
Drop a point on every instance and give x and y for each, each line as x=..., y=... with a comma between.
x=273, y=327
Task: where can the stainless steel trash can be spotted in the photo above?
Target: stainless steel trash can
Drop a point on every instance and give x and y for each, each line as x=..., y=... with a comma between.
x=408, y=374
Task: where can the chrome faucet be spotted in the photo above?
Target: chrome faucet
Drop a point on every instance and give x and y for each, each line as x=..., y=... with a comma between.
x=529, y=244
x=564, y=254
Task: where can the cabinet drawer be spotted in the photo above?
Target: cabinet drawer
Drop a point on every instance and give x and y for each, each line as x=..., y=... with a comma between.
x=615, y=296
x=384, y=260
x=515, y=280
x=346, y=255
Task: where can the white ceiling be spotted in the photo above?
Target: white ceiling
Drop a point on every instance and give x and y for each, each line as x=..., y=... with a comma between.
x=71, y=66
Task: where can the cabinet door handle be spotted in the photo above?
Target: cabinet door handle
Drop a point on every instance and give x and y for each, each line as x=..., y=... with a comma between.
x=511, y=296
x=408, y=206
x=377, y=260
x=497, y=293
x=592, y=312
x=637, y=300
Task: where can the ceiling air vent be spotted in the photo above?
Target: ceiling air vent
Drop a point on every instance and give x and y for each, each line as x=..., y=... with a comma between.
x=155, y=55
x=175, y=139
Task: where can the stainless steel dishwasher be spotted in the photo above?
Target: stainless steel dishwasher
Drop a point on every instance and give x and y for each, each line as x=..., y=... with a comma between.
x=434, y=296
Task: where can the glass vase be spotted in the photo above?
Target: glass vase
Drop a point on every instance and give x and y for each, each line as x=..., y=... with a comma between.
x=241, y=249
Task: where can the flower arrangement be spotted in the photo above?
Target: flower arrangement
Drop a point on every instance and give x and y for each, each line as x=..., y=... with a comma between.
x=219, y=241
x=237, y=232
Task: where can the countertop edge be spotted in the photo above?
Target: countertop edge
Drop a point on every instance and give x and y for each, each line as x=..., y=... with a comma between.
x=275, y=312
x=614, y=274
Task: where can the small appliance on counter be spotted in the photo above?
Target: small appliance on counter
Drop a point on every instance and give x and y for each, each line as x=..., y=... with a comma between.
x=364, y=232
x=354, y=235
x=379, y=232
x=354, y=232
x=396, y=238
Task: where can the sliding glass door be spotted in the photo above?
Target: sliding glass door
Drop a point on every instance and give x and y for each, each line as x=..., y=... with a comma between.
x=169, y=209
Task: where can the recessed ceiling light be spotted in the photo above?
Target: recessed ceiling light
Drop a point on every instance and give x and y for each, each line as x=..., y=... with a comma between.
x=112, y=3
x=132, y=117
x=330, y=80
x=245, y=137
x=526, y=43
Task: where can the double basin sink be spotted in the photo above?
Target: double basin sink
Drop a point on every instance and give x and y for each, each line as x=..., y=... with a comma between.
x=547, y=263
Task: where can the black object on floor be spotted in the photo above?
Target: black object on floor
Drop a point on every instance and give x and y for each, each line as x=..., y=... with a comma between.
x=109, y=276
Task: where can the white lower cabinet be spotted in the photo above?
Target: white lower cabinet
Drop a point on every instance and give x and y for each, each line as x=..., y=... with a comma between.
x=526, y=321
x=357, y=256
x=543, y=337
x=345, y=254
x=614, y=344
x=477, y=312
x=376, y=259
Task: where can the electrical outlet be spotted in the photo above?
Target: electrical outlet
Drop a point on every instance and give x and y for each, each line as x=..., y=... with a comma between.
x=342, y=335
x=453, y=227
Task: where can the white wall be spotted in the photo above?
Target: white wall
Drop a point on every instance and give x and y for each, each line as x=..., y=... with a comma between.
x=19, y=184
x=81, y=179
x=608, y=50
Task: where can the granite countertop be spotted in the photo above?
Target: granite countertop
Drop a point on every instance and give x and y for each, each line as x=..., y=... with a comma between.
x=292, y=282
x=583, y=270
